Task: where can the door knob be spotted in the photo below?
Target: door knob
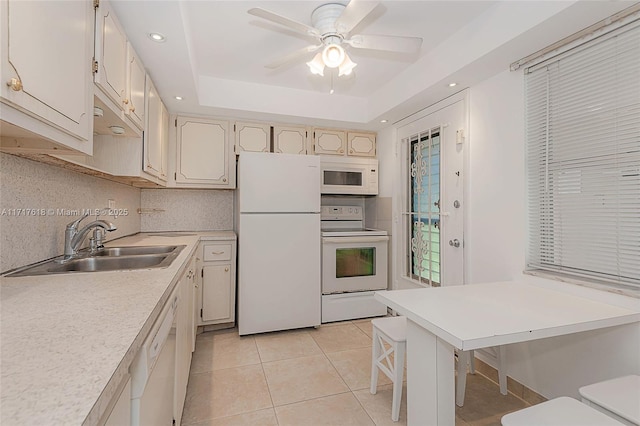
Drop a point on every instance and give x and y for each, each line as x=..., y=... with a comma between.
x=15, y=84
x=454, y=243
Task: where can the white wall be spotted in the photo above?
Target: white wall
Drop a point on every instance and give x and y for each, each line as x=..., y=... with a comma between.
x=495, y=244
x=495, y=198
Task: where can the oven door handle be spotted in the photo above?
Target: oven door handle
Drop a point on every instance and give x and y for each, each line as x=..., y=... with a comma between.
x=351, y=240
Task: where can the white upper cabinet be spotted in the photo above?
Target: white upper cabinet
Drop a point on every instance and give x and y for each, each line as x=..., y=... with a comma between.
x=119, y=77
x=332, y=142
x=156, y=136
x=46, y=49
x=290, y=139
x=204, y=156
x=111, y=55
x=255, y=137
x=344, y=142
x=361, y=144
x=136, y=76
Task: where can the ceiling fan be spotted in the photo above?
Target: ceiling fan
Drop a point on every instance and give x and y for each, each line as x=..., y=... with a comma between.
x=332, y=27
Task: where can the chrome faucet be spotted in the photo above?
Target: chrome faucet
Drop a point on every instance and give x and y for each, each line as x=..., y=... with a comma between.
x=73, y=237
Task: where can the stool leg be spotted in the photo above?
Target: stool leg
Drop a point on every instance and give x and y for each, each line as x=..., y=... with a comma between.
x=375, y=353
x=472, y=362
x=398, y=373
x=502, y=369
x=461, y=380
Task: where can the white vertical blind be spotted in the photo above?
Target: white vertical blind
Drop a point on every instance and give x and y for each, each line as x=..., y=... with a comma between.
x=583, y=160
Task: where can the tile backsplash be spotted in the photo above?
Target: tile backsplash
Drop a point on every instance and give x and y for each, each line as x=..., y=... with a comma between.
x=38, y=200
x=186, y=210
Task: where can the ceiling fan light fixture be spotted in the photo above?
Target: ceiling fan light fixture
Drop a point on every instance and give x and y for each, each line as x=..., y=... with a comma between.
x=346, y=67
x=317, y=65
x=333, y=55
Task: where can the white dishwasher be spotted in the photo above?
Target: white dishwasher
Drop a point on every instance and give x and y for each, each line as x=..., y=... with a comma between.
x=153, y=371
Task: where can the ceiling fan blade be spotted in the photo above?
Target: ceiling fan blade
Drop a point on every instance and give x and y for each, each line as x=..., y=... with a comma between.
x=385, y=42
x=286, y=22
x=355, y=12
x=293, y=56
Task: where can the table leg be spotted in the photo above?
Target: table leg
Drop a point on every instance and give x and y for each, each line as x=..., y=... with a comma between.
x=430, y=379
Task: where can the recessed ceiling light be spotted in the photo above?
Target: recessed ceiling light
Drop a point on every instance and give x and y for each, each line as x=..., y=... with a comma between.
x=383, y=121
x=179, y=98
x=156, y=37
x=453, y=84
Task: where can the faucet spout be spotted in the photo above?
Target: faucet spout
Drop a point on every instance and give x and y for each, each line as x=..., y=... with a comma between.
x=73, y=237
x=79, y=237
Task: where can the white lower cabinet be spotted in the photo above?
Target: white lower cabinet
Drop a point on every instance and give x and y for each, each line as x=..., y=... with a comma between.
x=218, y=283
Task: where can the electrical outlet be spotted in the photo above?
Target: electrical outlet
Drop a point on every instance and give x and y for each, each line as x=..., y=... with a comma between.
x=111, y=204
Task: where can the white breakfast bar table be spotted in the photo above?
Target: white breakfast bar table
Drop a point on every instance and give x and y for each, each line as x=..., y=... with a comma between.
x=466, y=317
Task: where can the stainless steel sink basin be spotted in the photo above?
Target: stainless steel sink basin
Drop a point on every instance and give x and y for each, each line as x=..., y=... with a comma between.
x=95, y=264
x=134, y=250
x=109, y=259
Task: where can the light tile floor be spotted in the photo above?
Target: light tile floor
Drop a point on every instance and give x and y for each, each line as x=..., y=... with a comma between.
x=308, y=377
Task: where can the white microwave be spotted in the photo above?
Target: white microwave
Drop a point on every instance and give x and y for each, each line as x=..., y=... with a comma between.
x=349, y=175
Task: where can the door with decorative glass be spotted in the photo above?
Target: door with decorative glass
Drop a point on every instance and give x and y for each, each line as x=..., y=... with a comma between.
x=433, y=218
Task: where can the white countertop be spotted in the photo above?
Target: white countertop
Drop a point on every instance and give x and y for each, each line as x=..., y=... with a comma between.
x=67, y=339
x=482, y=315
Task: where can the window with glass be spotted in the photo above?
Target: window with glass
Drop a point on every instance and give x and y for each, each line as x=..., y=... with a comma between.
x=583, y=161
x=423, y=211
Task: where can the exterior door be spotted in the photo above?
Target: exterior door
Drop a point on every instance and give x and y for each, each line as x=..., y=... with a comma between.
x=433, y=252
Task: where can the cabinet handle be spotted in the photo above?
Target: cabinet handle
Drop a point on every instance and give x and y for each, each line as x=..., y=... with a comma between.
x=350, y=151
x=217, y=252
x=197, y=286
x=132, y=109
x=224, y=179
x=341, y=151
x=226, y=269
x=15, y=84
x=126, y=101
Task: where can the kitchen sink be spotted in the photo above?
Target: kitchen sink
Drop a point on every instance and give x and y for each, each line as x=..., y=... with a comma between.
x=134, y=250
x=108, y=259
x=96, y=264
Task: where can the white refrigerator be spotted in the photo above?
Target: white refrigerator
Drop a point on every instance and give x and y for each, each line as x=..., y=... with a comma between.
x=279, y=242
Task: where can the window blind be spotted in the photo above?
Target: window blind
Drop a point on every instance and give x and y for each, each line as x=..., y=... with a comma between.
x=583, y=160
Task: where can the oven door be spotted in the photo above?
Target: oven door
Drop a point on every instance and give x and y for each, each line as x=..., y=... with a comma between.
x=354, y=264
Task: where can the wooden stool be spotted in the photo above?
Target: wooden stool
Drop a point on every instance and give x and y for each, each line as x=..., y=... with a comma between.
x=563, y=411
x=618, y=398
x=393, y=331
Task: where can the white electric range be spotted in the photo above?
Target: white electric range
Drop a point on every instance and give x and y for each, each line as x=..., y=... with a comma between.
x=354, y=264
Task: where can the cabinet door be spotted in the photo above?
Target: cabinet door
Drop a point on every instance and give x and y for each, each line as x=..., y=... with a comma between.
x=255, y=137
x=217, y=301
x=136, y=89
x=361, y=144
x=332, y=142
x=111, y=54
x=203, y=153
x=290, y=139
x=156, y=134
x=45, y=50
x=183, y=346
x=190, y=294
